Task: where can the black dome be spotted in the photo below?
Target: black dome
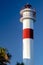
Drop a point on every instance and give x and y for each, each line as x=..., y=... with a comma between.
x=28, y=6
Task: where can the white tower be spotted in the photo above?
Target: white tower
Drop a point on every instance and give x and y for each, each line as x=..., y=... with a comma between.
x=28, y=18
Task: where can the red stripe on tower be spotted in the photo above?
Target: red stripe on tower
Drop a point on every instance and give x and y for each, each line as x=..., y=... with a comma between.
x=28, y=33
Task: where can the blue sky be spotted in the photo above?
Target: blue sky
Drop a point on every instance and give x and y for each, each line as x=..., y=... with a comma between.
x=11, y=29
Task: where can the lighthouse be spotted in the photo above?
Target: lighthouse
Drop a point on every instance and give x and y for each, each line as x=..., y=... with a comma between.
x=28, y=17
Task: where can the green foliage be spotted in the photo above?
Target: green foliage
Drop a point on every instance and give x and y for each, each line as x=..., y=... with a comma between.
x=4, y=56
x=20, y=63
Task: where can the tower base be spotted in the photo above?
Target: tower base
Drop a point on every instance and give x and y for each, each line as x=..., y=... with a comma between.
x=27, y=62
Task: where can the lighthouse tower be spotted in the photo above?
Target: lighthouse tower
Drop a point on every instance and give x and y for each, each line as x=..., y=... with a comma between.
x=28, y=18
